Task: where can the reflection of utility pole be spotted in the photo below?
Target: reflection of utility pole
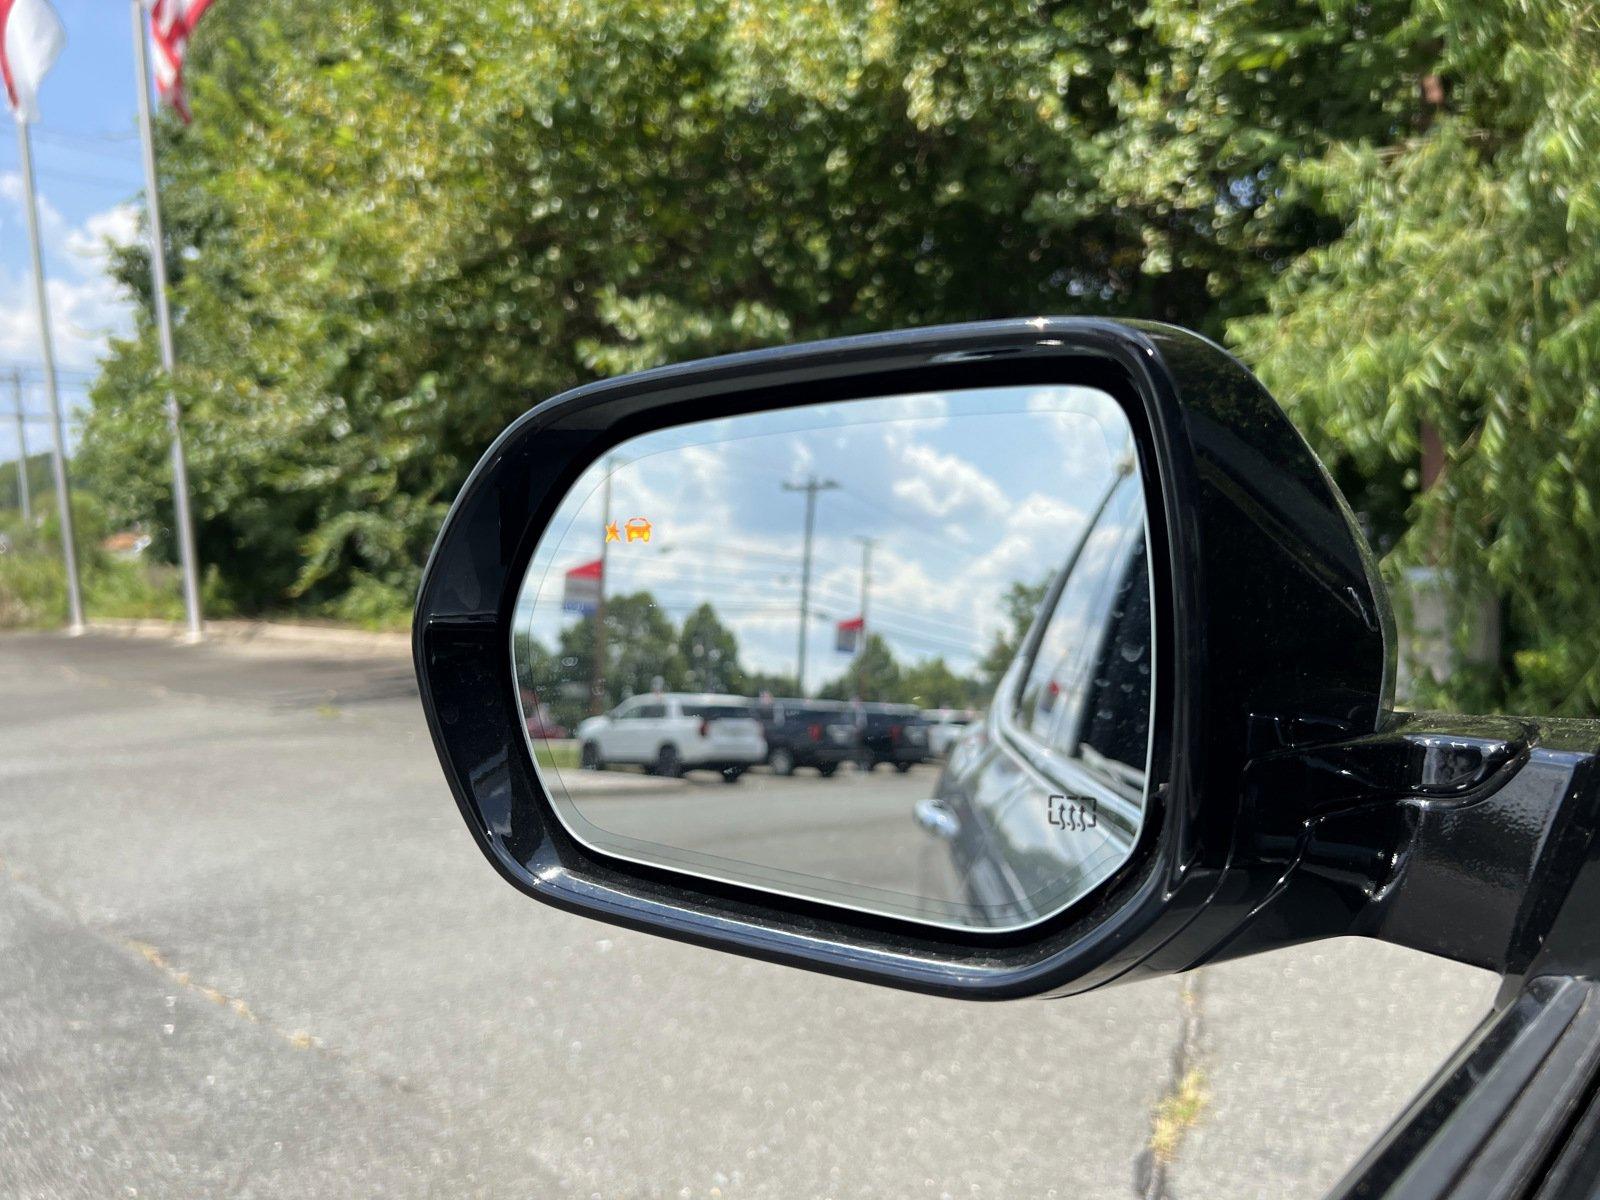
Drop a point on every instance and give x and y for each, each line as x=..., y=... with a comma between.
x=597, y=679
x=24, y=496
x=866, y=586
x=810, y=487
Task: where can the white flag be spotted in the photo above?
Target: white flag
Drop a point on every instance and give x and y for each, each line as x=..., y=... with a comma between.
x=31, y=38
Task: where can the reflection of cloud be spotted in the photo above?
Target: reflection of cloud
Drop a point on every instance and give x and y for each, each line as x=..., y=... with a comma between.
x=942, y=484
x=1085, y=422
x=966, y=496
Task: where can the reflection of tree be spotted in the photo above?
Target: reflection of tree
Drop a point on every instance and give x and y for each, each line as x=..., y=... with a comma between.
x=1021, y=603
x=928, y=684
x=770, y=684
x=874, y=675
x=644, y=650
x=710, y=653
x=641, y=649
x=932, y=684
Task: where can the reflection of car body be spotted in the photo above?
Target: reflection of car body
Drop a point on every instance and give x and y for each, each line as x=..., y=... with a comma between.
x=945, y=727
x=807, y=733
x=675, y=732
x=539, y=721
x=891, y=733
x=637, y=530
x=1050, y=783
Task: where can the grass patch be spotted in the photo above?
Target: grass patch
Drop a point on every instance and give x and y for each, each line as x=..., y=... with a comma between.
x=1178, y=1112
x=563, y=756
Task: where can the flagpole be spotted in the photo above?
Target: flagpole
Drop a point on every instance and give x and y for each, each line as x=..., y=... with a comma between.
x=69, y=549
x=158, y=274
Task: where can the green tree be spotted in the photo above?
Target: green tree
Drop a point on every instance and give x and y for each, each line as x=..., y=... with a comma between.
x=641, y=650
x=1464, y=296
x=873, y=675
x=393, y=227
x=710, y=653
x=771, y=684
x=1021, y=604
x=932, y=684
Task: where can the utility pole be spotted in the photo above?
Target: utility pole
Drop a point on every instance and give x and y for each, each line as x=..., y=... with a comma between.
x=158, y=273
x=24, y=490
x=866, y=587
x=69, y=548
x=810, y=487
x=597, y=673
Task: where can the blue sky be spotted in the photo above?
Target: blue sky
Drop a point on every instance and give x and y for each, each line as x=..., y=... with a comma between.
x=86, y=156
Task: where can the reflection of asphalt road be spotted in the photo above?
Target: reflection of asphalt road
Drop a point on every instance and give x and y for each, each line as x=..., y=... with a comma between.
x=250, y=950
x=855, y=828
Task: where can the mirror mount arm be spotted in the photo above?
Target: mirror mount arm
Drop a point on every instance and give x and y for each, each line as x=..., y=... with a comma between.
x=1462, y=837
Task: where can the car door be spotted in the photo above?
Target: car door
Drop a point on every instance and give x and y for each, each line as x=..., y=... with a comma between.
x=650, y=730
x=621, y=738
x=1039, y=795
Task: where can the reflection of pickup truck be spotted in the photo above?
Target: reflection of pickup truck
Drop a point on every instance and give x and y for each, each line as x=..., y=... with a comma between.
x=807, y=733
x=891, y=733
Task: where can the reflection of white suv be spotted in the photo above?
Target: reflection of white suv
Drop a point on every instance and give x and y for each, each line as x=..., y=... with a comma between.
x=674, y=732
x=945, y=727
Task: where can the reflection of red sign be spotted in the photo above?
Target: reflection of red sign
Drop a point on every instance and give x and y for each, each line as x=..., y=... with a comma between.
x=847, y=635
x=582, y=590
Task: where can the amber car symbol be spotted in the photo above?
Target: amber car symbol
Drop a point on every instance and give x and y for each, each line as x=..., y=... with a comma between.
x=638, y=530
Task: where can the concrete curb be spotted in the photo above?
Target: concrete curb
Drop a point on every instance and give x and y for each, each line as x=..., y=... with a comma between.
x=616, y=783
x=271, y=637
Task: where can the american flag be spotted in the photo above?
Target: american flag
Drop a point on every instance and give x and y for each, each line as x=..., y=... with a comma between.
x=171, y=23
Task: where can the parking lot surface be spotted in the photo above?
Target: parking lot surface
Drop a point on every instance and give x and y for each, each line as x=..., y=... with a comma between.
x=251, y=951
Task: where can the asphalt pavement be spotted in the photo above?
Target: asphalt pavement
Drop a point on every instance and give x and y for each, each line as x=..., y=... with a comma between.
x=251, y=951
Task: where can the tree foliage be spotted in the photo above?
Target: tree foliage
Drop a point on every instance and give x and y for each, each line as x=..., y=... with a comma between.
x=1462, y=296
x=393, y=228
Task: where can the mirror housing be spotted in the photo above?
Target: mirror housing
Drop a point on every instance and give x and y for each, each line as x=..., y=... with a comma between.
x=1274, y=637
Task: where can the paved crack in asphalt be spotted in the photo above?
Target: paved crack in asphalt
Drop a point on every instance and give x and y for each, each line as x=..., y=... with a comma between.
x=1182, y=1105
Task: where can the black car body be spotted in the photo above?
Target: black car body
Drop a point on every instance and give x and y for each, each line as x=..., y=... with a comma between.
x=891, y=733
x=807, y=733
x=1288, y=801
x=1052, y=753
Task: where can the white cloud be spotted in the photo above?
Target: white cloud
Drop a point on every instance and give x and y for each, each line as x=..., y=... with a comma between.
x=943, y=484
x=87, y=306
x=115, y=226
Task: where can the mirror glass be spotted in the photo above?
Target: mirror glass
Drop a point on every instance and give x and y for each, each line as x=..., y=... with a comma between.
x=893, y=654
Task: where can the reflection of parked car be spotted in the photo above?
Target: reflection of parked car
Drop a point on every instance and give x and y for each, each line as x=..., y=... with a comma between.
x=807, y=733
x=945, y=726
x=540, y=723
x=891, y=733
x=675, y=732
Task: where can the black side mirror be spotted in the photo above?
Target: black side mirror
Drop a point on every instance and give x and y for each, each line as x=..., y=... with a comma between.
x=1202, y=761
